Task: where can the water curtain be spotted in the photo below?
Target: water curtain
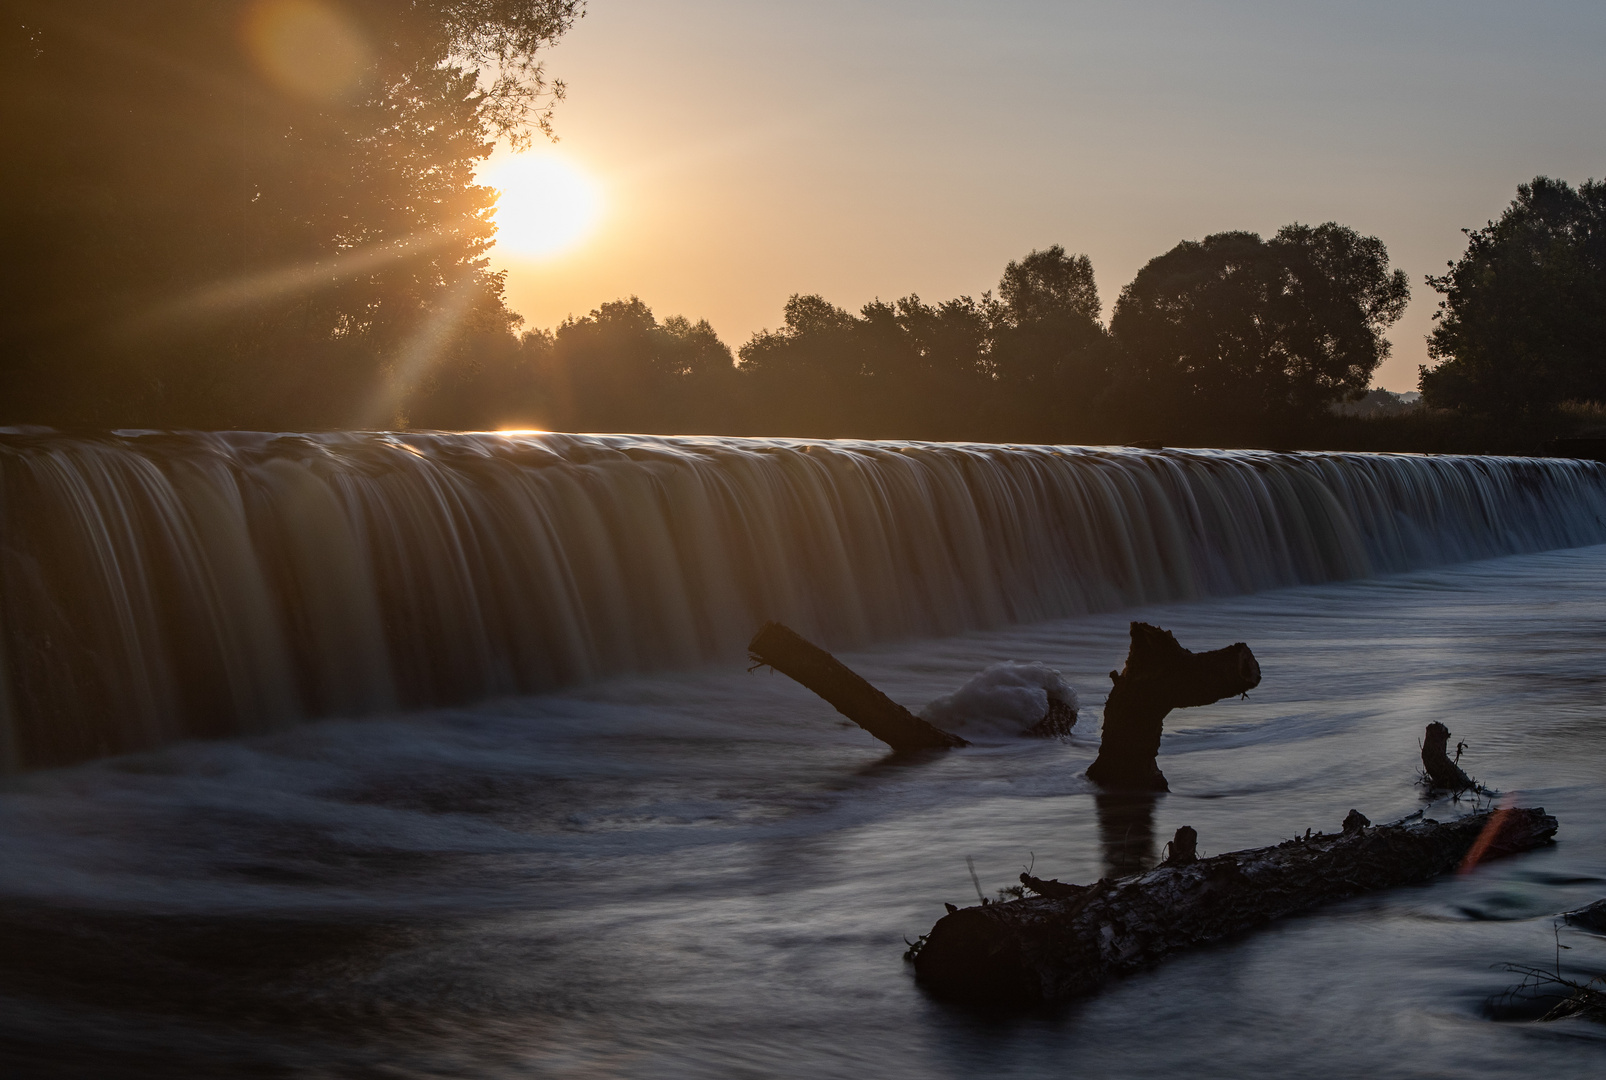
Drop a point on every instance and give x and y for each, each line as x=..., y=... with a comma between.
x=159, y=586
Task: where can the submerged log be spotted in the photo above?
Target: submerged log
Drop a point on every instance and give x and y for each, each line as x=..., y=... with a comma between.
x=1160, y=675
x=786, y=651
x=1069, y=939
x=1591, y=918
x=1056, y=723
x=1442, y=772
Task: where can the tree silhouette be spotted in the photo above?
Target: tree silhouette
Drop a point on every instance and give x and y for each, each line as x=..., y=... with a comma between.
x=1241, y=328
x=204, y=230
x=1522, y=325
x=1051, y=354
x=619, y=369
x=810, y=371
x=1049, y=285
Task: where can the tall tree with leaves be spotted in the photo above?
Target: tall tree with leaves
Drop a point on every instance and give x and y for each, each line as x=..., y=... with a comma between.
x=252, y=212
x=1235, y=327
x=1522, y=323
x=1050, y=352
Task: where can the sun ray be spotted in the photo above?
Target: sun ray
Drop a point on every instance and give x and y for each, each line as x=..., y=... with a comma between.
x=412, y=363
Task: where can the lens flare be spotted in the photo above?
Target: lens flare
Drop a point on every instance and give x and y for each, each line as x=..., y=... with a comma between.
x=307, y=48
x=547, y=204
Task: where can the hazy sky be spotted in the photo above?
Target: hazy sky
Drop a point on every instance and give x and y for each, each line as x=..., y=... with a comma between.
x=752, y=149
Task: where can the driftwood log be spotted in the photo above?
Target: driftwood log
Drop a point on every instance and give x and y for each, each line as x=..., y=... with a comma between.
x=1591, y=918
x=1056, y=723
x=1160, y=675
x=788, y=652
x=1443, y=774
x=1069, y=939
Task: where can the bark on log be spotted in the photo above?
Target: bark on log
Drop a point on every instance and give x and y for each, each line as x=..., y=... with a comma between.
x=1442, y=772
x=789, y=653
x=1070, y=939
x=1160, y=675
x=1056, y=723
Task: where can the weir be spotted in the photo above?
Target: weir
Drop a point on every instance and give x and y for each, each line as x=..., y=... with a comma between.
x=159, y=586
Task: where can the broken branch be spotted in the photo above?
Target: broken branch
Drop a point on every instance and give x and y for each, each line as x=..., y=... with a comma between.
x=788, y=652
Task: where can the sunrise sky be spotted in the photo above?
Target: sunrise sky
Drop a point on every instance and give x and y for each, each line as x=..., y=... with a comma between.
x=745, y=150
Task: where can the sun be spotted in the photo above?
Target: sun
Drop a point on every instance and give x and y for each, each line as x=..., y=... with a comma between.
x=547, y=204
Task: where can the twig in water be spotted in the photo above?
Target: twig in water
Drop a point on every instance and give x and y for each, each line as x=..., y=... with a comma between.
x=1586, y=1000
x=974, y=880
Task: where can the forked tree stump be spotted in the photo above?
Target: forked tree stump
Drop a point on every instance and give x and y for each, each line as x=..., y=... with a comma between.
x=1160, y=675
x=788, y=652
x=1069, y=939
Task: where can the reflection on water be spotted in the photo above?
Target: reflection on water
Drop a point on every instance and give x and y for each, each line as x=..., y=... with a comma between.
x=706, y=875
x=1126, y=831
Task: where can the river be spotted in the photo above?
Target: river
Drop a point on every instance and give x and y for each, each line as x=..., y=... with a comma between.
x=707, y=873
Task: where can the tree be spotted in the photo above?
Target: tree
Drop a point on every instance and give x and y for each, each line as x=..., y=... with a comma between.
x=898, y=369
x=809, y=373
x=619, y=369
x=1050, y=352
x=1024, y=366
x=252, y=212
x=1522, y=322
x=1049, y=285
x=1241, y=328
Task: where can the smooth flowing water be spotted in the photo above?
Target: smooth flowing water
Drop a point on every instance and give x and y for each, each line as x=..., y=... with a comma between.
x=158, y=586
x=706, y=874
x=637, y=859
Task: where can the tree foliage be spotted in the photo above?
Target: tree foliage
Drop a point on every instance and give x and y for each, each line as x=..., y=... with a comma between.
x=905, y=365
x=620, y=369
x=1022, y=364
x=219, y=222
x=1242, y=327
x=1230, y=327
x=1049, y=286
x=1522, y=323
x=1050, y=351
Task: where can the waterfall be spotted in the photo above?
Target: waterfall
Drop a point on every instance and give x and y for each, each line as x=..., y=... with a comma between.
x=159, y=586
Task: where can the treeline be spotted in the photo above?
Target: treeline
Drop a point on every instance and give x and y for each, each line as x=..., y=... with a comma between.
x=264, y=214
x=1227, y=335
x=1230, y=341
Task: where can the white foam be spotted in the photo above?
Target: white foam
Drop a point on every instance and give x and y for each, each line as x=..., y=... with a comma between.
x=1006, y=698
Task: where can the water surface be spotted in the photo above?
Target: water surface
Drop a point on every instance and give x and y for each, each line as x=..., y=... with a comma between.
x=709, y=874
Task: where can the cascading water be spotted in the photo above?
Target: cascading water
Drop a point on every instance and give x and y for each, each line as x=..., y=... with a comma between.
x=158, y=586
